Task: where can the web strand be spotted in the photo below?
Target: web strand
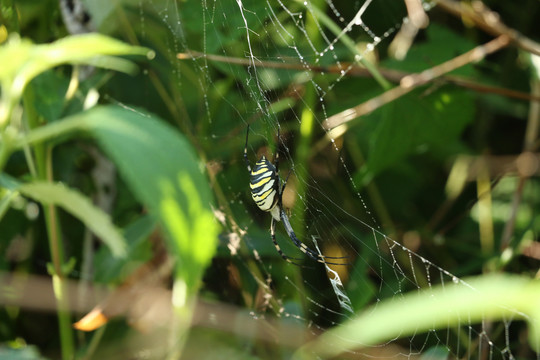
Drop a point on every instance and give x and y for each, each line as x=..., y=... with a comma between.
x=270, y=73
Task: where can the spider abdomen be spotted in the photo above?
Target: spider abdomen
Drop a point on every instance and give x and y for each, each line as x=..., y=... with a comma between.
x=264, y=184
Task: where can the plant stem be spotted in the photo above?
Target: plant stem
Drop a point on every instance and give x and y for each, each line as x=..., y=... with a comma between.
x=43, y=157
x=301, y=161
x=485, y=215
x=59, y=283
x=305, y=137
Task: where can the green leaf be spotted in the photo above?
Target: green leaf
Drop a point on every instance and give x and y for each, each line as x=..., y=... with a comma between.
x=163, y=172
x=79, y=206
x=439, y=308
x=22, y=61
x=415, y=123
x=161, y=169
x=76, y=204
x=48, y=94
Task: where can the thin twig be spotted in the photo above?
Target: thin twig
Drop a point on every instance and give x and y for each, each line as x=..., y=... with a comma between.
x=526, y=164
x=416, y=13
x=533, y=123
x=488, y=89
x=511, y=223
x=403, y=40
x=531, y=134
x=489, y=21
x=354, y=70
x=413, y=81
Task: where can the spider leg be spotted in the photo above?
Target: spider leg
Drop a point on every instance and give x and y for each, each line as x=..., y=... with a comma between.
x=245, y=151
x=278, y=248
x=276, y=158
x=285, y=182
x=309, y=252
x=300, y=245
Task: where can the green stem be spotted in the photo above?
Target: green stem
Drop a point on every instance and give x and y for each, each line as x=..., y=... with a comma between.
x=302, y=160
x=51, y=131
x=96, y=339
x=305, y=136
x=43, y=162
x=184, y=305
x=64, y=317
x=58, y=276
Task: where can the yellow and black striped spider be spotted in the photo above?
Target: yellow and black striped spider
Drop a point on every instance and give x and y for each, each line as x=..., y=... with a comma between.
x=267, y=192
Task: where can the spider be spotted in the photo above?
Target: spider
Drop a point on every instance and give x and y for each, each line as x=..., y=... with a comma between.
x=267, y=192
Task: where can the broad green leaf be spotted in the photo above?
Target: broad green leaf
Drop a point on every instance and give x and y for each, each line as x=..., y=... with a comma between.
x=76, y=204
x=162, y=171
x=47, y=92
x=442, y=307
x=416, y=123
x=22, y=61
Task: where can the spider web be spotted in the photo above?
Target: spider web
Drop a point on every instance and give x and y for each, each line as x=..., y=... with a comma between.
x=295, y=59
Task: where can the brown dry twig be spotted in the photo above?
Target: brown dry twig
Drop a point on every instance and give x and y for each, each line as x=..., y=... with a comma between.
x=413, y=81
x=489, y=21
x=403, y=40
x=354, y=70
x=531, y=136
x=525, y=164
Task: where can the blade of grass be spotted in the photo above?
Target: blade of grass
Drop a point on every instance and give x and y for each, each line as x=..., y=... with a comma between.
x=492, y=297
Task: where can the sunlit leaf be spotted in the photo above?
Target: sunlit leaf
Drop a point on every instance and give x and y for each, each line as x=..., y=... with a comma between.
x=162, y=171
x=441, y=307
x=22, y=61
x=417, y=123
